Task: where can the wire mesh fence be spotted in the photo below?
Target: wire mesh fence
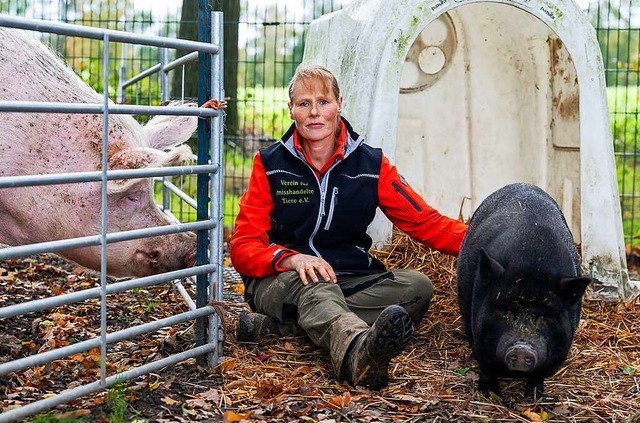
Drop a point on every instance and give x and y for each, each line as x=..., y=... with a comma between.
x=270, y=42
x=617, y=23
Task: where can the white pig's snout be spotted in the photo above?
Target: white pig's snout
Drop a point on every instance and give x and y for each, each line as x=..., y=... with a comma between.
x=190, y=258
x=191, y=254
x=172, y=254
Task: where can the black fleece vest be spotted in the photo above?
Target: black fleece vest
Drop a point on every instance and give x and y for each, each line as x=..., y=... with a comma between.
x=326, y=218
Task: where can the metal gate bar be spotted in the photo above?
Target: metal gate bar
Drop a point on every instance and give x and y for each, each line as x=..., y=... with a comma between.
x=121, y=335
x=89, y=388
x=113, y=288
x=87, y=241
x=215, y=72
x=99, y=34
x=67, y=178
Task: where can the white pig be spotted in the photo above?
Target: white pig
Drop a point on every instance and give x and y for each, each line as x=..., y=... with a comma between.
x=44, y=143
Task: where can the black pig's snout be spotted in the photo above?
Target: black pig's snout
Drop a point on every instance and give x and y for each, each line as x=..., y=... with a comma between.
x=521, y=358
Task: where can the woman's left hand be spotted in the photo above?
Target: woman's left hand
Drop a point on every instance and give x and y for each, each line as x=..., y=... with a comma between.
x=309, y=267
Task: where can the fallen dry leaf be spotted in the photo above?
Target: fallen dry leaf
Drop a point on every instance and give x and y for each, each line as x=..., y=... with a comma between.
x=75, y=414
x=211, y=395
x=228, y=364
x=169, y=401
x=535, y=417
x=339, y=402
x=231, y=416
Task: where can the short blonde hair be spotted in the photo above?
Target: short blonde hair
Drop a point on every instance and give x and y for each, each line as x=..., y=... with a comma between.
x=306, y=73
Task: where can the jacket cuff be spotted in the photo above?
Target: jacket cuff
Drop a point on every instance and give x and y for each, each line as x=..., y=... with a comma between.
x=280, y=255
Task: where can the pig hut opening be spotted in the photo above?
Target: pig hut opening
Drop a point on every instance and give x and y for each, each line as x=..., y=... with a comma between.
x=467, y=96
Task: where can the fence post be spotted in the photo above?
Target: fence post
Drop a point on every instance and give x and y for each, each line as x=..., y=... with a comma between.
x=204, y=136
x=216, y=332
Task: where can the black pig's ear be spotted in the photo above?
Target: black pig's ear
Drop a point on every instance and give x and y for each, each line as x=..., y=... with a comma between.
x=490, y=269
x=572, y=289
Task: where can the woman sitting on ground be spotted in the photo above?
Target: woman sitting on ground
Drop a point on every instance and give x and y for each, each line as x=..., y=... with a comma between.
x=301, y=244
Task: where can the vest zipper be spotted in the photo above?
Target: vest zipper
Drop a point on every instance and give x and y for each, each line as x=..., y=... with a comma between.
x=322, y=185
x=332, y=205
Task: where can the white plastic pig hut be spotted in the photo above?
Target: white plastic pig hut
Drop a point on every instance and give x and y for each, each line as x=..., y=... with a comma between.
x=466, y=96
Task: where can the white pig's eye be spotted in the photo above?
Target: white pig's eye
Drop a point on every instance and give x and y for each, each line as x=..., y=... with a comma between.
x=134, y=197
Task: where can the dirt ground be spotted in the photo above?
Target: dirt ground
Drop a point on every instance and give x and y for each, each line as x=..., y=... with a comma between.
x=286, y=378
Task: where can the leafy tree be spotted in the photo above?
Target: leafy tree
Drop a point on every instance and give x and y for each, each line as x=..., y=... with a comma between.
x=231, y=11
x=14, y=7
x=189, y=31
x=273, y=65
x=619, y=41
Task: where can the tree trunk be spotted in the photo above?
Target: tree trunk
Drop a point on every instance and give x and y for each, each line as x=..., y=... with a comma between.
x=189, y=31
x=231, y=11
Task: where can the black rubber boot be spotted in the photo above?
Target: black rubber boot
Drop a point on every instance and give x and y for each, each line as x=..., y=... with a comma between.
x=253, y=326
x=367, y=362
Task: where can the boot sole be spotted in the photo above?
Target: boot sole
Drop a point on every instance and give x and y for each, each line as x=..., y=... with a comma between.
x=391, y=340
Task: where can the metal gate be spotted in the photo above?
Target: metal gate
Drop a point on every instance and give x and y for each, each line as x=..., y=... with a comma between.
x=208, y=268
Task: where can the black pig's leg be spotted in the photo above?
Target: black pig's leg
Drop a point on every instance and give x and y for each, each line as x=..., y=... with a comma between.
x=534, y=388
x=488, y=383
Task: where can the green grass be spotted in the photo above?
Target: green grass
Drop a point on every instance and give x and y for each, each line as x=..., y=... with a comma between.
x=117, y=403
x=263, y=113
x=237, y=169
x=51, y=417
x=623, y=99
x=625, y=128
x=116, y=409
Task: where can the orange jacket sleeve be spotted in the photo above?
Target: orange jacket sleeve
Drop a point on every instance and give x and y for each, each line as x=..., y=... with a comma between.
x=250, y=252
x=411, y=214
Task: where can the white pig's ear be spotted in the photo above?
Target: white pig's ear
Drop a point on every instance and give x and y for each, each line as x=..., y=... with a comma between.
x=179, y=155
x=144, y=157
x=167, y=131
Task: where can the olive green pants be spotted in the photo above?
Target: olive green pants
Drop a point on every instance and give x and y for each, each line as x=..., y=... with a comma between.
x=332, y=315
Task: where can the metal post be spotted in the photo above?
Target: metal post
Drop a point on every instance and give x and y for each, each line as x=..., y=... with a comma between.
x=120, y=98
x=216, y=333
x=164, y=94
x=103, y=214
x=164, y=76
x=204, y=136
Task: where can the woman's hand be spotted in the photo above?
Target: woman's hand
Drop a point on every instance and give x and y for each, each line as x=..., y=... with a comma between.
x=309, y=267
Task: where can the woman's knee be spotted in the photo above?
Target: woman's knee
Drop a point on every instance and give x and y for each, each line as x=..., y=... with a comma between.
x=417, y=283
x=418, y=294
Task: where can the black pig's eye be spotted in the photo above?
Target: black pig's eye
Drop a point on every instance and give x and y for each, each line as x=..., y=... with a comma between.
x=542, y=319
x=507, y=314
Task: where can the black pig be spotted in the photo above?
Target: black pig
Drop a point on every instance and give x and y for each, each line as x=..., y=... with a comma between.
x=519, y=287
